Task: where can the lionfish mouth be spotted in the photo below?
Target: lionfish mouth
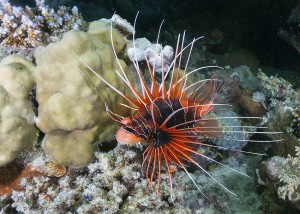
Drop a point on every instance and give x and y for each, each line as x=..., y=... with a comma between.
x=126, y=137
x=175, y=120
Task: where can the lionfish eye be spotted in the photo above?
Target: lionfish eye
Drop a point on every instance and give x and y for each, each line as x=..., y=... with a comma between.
x=129, y=129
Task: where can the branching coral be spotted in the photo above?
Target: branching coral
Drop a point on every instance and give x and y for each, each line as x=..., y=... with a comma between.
x=31, y=27
x=290, y=176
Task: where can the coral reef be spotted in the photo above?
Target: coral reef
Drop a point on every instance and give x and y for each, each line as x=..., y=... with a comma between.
x=72, y=115
x=280, y=175
x=290, y=177
x=279, y=91
x=12, y=174
x=9, y=50
x=272, y=167
x=31, y=27
x=113, y=183
x=296, y=121
x=72, y=98
x=259, y=97
x=218, y=200
x=16, y=117
x=281, y=102
x=283, y=175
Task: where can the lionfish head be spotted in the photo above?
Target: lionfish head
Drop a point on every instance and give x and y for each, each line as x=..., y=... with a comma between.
x=128, y=133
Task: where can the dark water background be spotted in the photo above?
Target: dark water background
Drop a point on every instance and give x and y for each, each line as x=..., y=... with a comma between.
x=249, y=25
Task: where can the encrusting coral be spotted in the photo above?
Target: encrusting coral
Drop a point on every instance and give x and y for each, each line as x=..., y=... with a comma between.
x=31, y=27
x=251, y=106
x=72, y=99
x=17, y=117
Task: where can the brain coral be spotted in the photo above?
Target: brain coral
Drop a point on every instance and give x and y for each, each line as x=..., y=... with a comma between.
x=17, y=130
x=72, y=99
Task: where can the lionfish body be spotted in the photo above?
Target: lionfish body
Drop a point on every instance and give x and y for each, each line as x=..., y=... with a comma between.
x=175, y=119
x=173, y=122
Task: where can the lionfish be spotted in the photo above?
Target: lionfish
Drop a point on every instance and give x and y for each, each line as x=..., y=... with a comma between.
x=174, y=118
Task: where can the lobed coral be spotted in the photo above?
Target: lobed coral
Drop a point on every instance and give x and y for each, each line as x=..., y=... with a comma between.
x=31, y=27
x=17, y=131
x=101, y=29
x=72, y=98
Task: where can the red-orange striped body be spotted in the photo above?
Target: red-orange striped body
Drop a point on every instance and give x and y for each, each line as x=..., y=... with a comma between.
x=172, y=120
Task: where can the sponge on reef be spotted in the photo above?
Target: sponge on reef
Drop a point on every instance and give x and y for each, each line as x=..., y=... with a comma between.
x=17, y=131
x=72, y=99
